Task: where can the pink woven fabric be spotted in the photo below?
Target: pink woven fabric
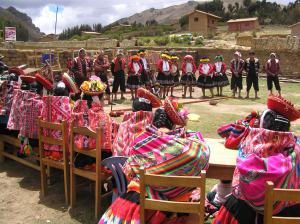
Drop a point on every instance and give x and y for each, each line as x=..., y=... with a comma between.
x=266, y=155
x=56, y=109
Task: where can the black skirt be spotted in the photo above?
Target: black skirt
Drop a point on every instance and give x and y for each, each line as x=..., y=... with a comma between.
x=133, y=82
x=145, y=78
x=164, y=80
x=220, y=80
x=205, y=82
x=188, y=80
x=175, y=79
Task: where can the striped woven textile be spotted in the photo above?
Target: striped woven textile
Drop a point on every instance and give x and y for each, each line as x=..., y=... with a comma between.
x=167, y=154
x=133, y=124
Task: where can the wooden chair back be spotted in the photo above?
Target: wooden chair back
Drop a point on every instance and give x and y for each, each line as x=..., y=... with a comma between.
x=277, y=194
x=49, y=126
x=62, y=165
x=171, y=206
x=95, y=153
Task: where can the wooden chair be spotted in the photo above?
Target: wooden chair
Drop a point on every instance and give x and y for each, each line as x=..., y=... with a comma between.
x=276, y=194
x=47, y=162
x=171, y=206
x=96, y=176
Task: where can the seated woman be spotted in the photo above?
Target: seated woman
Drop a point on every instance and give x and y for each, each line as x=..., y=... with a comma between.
x=56, y=108
x=268, y=153
x=135, y=122
x=165, y=147
x=89, y=112
x=26, y=108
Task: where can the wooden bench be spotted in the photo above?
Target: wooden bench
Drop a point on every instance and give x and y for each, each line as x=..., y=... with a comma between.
x=14, y=141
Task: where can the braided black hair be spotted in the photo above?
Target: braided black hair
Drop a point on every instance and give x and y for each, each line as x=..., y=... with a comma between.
x=161, y=119
x=275, y=121
x=60, y=91
x=138, y=105
x=89, y=99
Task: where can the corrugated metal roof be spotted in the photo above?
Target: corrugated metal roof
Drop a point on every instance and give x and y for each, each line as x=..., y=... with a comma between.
x=242, y=20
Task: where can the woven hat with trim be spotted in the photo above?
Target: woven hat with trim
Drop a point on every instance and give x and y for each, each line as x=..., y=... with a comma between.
x=284, y=107
x=71, y=85
x=44, y=81
x=171, y=107
x=154, y=100
x=188, y=57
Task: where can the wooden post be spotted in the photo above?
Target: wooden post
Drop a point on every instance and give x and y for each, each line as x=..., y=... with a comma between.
x=268, y=202
x=142, y=196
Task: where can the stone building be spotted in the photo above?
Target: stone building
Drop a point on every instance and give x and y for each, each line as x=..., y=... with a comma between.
x=295, y=29
x=245, y=24
x=203, y=23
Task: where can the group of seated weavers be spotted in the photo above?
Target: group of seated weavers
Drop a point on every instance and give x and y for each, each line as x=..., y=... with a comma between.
x=267, y=151
x=158, y=141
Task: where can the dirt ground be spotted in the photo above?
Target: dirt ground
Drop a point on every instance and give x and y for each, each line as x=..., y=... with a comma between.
x=20, y=200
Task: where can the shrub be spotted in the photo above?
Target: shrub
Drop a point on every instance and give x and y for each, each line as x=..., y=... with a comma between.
x=199, y=41
x=162, y=41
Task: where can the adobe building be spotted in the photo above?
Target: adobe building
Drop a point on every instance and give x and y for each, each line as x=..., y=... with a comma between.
x=244, y=24
x=203, y=23
x=295, y=29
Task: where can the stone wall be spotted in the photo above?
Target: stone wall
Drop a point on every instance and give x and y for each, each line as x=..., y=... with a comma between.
x=277, y=43
x=288, y=58
x=246, y=41
x=88, y=44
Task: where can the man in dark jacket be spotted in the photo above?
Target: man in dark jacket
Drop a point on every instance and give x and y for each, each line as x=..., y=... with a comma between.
x=252, y=68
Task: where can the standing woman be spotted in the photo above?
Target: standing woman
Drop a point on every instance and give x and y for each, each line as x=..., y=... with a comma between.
x=164, y=68
x=188, y=78
x=175, y=72
x=134, y=74
x=220, y=77
x=205, y=79
x=145, y=76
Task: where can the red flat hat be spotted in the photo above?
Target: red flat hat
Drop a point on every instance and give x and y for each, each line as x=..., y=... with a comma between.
x=71, y=85
x=28, y=78
x=154, y=100
x=172, y=112
x=16, y=70
x=188, y=57
x=43, y=81
x=284, y=107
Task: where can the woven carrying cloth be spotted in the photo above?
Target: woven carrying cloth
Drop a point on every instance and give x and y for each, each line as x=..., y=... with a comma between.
x=16, y=114
x=31, y=109
x=55, y=109
x=133, y=124
x=263, y=156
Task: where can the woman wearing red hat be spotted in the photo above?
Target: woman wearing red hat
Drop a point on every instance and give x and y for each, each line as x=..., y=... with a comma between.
x=188, y=79
x=268, y=151
x=135, y=69
x=160, y=149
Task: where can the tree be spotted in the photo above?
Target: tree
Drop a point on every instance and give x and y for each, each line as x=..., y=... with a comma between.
x=184, y=20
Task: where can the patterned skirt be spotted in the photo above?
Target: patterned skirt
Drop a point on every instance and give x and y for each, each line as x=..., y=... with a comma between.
x=164, y=80
x=133, y=82
x=126, y=209
x=188, y=80
x=220, y=80
x=145, y=78
x=205, y=82
x=236, y=211
x=176, y=81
